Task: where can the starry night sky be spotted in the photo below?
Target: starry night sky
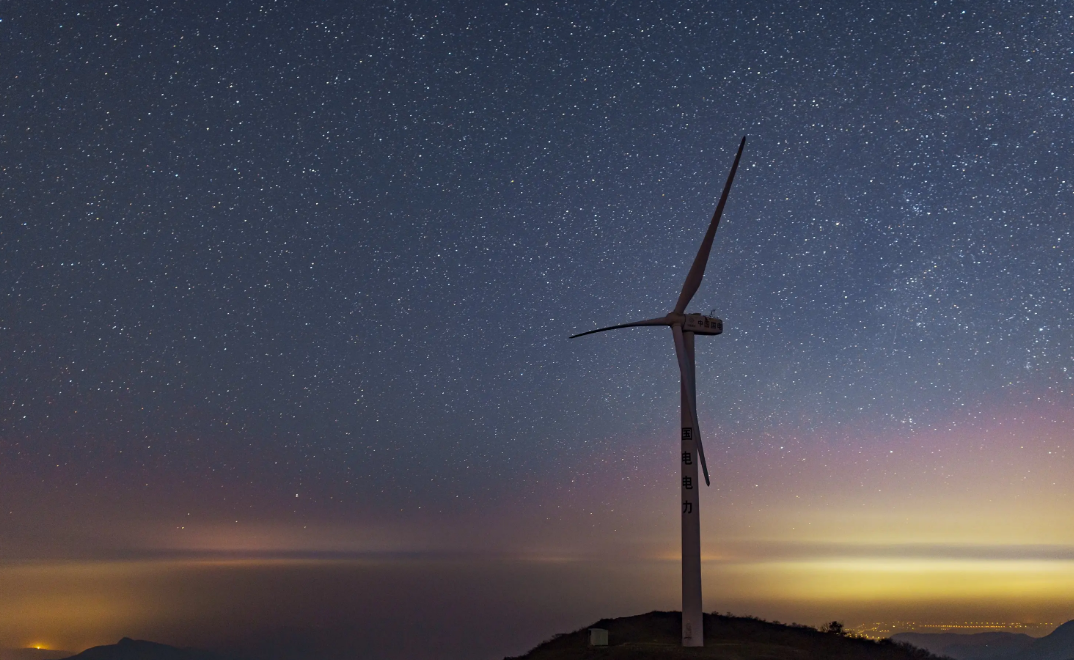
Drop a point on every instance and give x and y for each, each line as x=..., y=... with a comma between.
x=299, y=277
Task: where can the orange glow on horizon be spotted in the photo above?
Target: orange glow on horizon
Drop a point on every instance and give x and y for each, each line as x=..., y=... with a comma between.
x=966, y=523
x=83, y=604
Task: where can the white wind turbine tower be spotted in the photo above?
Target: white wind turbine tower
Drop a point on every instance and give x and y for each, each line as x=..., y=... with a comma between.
x=683, y=328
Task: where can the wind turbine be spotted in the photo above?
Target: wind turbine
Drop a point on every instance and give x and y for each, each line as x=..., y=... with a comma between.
x=683, y=328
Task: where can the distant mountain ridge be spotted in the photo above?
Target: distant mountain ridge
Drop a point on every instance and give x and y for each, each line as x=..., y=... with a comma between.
x=136, y=649
x=1059, y=645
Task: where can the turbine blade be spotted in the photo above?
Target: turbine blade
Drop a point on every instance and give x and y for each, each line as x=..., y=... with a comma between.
x=685, y=373
x=635, y=324
x=697, y=270
x=701, y=455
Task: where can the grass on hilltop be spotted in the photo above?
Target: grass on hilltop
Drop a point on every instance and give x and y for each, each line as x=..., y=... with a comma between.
x=656, y=635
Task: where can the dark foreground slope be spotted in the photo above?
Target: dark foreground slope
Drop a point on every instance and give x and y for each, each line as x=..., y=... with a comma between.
x=135, y=649
x=655, y=636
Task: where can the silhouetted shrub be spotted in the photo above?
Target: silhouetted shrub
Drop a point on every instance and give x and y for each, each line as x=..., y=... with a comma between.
x=834, y=628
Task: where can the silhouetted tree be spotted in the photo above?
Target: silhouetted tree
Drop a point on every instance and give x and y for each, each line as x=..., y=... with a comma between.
x=835, y=628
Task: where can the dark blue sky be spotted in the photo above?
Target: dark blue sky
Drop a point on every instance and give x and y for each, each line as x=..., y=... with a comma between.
x=254, y=250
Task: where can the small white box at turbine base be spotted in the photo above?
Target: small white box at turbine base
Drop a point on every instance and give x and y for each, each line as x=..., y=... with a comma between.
x=598, y=637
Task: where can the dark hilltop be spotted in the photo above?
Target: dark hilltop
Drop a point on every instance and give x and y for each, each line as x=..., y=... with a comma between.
x=655, y=636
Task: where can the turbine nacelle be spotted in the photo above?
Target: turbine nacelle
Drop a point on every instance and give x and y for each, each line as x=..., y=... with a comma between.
x=699, y=324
